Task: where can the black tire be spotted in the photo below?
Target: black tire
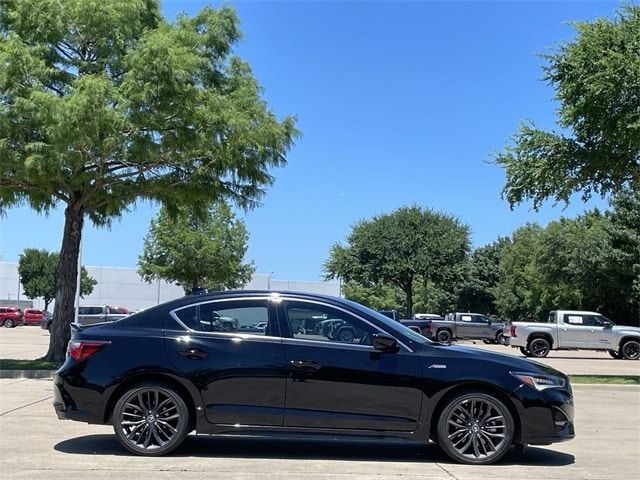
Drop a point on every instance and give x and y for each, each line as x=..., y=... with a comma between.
x=475, y=428
x=9, y=323
x=525, y=352
x=615, y=354
x=539, y=347
x=500, y=339
x=443, y=335
x=486, y=341
x=346, y=335
x=630, y=350
x=142, y=429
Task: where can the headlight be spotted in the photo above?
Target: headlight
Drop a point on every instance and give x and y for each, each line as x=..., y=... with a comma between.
x=539, y=382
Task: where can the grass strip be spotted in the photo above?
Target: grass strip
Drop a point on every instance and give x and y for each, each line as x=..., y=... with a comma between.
x=12, y=364
x=606, y=379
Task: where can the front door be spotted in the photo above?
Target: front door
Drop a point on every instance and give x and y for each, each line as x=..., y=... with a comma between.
x=232, y=351
x=338, y=380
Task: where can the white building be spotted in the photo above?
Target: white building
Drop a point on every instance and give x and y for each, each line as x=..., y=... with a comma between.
x=124, y=287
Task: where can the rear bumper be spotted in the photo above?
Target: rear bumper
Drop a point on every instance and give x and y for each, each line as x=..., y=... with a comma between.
x=67, y=409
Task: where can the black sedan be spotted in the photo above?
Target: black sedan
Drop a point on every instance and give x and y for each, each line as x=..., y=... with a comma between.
x=162, y=373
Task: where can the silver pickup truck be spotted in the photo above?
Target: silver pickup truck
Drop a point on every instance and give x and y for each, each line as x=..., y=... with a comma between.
x=574, y=330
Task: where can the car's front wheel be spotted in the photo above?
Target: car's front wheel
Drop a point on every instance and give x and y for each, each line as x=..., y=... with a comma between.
x=475, y=428
x=151, y=419
x=630, y=350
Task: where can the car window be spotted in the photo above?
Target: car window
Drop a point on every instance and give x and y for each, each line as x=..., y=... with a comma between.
x=235, y=316
x=574, y=319
x=479, y=319
x=593, y=320
x=323, y=323
x=465, y=318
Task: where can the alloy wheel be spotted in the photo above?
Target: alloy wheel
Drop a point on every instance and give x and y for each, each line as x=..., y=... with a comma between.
x=539, y=347
x=476, y=429
x=151, y=420
x=631, y=350
x=444, y=336
x=8, y=323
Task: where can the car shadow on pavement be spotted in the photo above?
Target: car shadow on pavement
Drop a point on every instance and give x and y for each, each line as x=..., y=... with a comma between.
x=226, y=447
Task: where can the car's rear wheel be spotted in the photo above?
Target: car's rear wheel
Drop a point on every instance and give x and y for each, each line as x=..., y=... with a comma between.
x=9, y=323
x=630, y=350
x=443, y=336
x=475, y=428
x=151, y=419
x=539, y=347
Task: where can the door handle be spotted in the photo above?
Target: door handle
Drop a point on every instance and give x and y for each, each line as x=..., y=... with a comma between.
x=193, y=353
x=308, y=364
x=591, y=330
x=564, y=329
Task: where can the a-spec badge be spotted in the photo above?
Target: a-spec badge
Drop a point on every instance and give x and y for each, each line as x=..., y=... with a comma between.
x=435, y=365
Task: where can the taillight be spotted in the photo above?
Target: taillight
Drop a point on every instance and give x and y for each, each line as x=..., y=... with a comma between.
x=512, y=332
x=81, y=349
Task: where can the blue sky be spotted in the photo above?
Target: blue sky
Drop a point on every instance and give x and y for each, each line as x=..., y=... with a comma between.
x=399, y=103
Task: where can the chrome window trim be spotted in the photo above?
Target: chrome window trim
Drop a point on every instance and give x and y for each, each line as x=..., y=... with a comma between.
x=329, y=305
x=242, y=336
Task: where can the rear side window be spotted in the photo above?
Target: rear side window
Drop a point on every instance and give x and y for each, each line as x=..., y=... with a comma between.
x=237, y=316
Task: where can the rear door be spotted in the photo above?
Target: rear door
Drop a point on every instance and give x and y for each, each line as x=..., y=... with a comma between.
x=239, y=372
x=573, y=331
x=338, y=380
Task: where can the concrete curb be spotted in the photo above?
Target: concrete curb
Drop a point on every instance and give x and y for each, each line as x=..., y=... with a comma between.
x=27, y=373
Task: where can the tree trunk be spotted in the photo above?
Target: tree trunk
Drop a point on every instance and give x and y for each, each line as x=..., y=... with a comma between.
x=408, y=291
x=66, y=283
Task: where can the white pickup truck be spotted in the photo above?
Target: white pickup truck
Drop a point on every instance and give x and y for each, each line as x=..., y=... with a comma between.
x=574, y=330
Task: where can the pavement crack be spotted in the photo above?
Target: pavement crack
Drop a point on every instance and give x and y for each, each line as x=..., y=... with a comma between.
x=451, y=475
x=26, y=405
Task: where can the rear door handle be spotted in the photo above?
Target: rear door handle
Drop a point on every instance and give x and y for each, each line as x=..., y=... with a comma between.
x=193, y=353
x=308, y=364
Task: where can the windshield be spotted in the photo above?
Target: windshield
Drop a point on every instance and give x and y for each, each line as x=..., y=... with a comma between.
x=406, y=331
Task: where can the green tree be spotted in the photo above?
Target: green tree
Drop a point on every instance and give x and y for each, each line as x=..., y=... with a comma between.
x=399, y=248
x=518, y=290
x=597, y=82
x=378, y=297
x=104, y=103
x=37, y=270
x=197, y=251
x=483, y=275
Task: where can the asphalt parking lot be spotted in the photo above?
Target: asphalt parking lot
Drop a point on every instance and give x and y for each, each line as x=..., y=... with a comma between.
x=32, y=342
x=35, y=444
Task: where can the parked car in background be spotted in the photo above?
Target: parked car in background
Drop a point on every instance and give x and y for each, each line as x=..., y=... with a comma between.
x=575, y=330
x=474, y=326
x=34, y=316
x=392, y=314
x=156, y=376
x=11, y=317
x=89, y=314
x=422, y=322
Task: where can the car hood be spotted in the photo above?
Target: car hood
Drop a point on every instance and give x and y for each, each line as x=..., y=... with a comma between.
x=626, y=329
x=511, y=362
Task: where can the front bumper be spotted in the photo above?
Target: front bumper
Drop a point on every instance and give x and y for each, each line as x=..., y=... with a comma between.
x=548, y=416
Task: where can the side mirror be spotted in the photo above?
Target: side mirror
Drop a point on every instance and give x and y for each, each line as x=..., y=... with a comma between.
x=384, y=343
x=607, y=324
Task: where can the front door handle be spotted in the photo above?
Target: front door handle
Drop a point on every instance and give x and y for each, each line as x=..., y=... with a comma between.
x=306, y=364
x=193, y=353
x=564, y=329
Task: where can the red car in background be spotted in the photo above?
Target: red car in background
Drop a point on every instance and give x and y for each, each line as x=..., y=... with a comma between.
x=11, y=316
x=33, y=316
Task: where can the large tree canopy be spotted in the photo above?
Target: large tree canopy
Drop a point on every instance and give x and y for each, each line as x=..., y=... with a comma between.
x=103, y=103
x=597, y=150
x=399, y=248
x=197, y=251
x=37, y=271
